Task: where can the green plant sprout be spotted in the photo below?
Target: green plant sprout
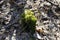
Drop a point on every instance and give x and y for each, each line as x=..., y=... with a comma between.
x=29, y=20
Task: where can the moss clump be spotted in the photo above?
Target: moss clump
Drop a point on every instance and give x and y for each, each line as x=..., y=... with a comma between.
x=29, y=20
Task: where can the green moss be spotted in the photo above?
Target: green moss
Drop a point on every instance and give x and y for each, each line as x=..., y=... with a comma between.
x=29, y=20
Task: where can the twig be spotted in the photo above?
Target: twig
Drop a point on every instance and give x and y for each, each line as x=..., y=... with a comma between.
x=52, y=3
